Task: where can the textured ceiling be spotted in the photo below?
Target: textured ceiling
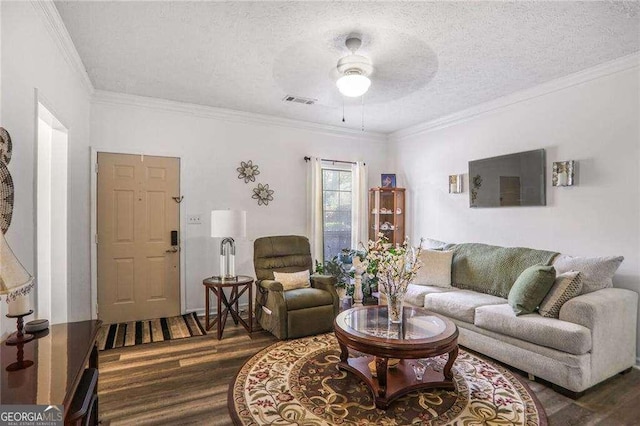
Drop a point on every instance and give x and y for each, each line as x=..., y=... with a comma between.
x=430, y=59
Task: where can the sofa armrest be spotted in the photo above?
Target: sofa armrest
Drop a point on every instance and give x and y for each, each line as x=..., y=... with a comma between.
x=270, y=285
x=611, y=315
x=327, y=283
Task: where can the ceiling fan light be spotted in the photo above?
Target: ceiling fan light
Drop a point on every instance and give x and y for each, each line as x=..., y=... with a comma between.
x=353, y=85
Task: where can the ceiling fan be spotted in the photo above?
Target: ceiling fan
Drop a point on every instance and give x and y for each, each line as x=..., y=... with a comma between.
x=354, y=70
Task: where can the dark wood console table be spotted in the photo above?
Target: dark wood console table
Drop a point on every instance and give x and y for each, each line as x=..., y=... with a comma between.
x=62, y=356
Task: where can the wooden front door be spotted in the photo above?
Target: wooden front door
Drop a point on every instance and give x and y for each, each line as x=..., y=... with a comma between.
x=138, y=267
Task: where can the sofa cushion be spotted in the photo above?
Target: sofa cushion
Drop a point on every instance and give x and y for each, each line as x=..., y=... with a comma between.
x=530, y=288
x=460, y=304
x=550, y=332
x=416, y=293
x=565, y=287
x=303, y=298
x=597, y=272
x=436, y=268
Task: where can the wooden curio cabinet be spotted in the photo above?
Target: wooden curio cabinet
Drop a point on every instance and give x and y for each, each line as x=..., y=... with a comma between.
x=387, y=214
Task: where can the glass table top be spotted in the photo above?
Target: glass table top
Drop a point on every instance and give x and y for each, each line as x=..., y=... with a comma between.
x=417, y=323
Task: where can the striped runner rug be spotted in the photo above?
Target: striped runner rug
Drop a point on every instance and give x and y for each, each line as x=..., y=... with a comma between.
x=133, y=333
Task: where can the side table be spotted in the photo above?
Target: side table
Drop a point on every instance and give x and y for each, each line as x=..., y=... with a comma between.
x=238, y=287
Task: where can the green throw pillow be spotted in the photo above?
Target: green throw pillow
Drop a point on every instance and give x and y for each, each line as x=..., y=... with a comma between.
x=530, y=288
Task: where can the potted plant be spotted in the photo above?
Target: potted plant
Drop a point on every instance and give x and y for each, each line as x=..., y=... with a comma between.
x=335, y=267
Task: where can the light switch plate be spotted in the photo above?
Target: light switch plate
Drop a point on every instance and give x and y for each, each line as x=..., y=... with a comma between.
x=194, y=219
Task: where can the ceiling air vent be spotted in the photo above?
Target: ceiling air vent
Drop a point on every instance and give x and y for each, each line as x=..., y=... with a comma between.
x=299, y=100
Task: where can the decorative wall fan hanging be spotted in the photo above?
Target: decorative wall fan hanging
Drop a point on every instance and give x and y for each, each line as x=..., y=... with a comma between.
x=6, y=181
x=6, y=147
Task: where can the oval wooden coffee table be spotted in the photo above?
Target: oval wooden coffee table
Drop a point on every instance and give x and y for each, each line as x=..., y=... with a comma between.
x=421, y=334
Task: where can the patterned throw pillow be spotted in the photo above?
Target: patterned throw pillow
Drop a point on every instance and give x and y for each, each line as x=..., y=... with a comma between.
x=293, y=280
x=566, y=286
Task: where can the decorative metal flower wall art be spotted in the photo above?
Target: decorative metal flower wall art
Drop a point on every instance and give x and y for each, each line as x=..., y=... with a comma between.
x=248, y=171
x=263, y=194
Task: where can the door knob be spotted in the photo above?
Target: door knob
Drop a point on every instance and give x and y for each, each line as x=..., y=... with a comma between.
x=172, y=250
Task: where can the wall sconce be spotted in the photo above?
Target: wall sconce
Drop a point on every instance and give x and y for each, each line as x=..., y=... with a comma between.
x=455, y=184
x=563, y=173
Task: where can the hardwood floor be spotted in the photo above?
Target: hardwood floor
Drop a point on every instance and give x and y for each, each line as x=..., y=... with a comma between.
x=186, y=381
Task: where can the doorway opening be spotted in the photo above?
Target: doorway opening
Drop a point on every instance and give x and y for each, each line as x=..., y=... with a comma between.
x=51, y=219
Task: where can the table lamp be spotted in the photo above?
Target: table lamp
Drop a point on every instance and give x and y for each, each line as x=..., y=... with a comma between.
x=228, y=224
x=15, y=283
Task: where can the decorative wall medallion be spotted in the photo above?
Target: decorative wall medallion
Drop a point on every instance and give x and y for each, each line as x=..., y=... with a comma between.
x=5, y=146
x=263, y=194
x=248, y=171
x=6, y=197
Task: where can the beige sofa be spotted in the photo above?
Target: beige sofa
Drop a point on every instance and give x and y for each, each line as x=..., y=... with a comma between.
x=593, y=339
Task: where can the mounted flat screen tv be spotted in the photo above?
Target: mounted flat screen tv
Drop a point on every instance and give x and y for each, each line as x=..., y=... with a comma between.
x=508, y=181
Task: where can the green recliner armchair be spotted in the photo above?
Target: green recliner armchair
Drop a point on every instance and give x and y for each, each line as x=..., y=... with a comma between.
x=293, y=313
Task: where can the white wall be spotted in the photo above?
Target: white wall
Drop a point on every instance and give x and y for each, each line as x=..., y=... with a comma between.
x=211, y=149
x=596, y=123
x=32, y=59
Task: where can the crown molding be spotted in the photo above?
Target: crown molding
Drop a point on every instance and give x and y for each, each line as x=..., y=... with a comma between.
x=612, y=67
x=114, y=98
x=58, y=31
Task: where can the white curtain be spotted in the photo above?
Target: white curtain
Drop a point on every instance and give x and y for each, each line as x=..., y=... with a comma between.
x=315, y=209
x=359, y=230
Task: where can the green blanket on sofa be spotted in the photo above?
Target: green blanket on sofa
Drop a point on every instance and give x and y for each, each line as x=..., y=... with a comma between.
x=492, y=269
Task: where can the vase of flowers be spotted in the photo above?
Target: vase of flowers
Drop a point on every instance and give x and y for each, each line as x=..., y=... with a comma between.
x=395, y=266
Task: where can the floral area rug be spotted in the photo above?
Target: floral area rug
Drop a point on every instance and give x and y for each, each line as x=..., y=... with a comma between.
x=298, y=383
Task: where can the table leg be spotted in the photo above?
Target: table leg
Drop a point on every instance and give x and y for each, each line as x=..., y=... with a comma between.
x=228, y=307
x=219, y=313
x=234, y=295
x=250, y=307
x=344, y=352
x=381, y=372
x=207, y=326
x=93, y=359
x=447, y=368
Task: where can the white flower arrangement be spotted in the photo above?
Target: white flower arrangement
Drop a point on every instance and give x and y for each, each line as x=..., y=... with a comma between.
x=396, y=266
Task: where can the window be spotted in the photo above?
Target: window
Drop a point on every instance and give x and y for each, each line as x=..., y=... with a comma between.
x=337, y=221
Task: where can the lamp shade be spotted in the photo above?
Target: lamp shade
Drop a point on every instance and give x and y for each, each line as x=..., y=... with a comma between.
x=15, y=281
x=228, y=223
